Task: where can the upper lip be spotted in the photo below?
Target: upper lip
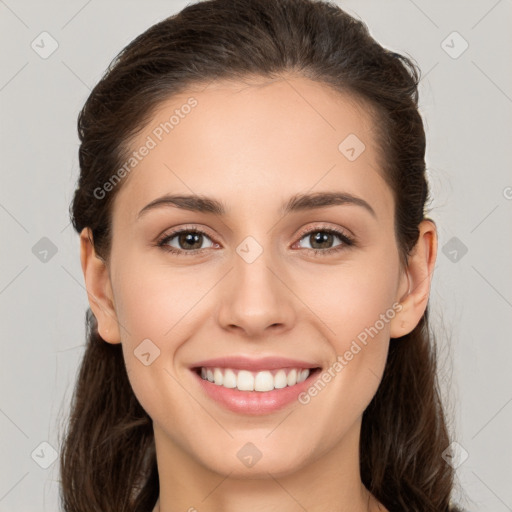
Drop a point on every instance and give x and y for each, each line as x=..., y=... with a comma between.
x=245, y=363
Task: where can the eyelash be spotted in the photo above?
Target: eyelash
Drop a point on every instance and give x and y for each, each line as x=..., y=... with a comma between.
x=348, y=241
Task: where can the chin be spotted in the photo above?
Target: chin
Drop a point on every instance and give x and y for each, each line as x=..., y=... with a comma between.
x=240, y=466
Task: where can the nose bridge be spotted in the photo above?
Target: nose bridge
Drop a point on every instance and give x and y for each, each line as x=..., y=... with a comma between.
x=257, y=297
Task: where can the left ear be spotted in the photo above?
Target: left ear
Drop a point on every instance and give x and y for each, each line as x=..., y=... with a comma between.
x=417, y=278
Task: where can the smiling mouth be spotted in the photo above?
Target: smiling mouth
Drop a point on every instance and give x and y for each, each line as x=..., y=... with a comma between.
x=258, y=381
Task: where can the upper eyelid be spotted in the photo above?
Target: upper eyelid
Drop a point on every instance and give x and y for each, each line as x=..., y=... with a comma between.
x=341, y=230
x=337, y=231
x=185, y=229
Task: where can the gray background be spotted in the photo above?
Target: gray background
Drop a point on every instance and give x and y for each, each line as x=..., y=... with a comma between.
x=466, y=102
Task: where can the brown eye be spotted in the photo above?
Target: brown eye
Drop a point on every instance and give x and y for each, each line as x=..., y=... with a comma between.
x=321, y=240
x=190, y=240
x=184, y=241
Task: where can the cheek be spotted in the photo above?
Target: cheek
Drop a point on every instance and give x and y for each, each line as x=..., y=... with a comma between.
x=147, y=307
x=148, y=311
x=359, y=346
x=152, y=300
x=356, y=305
x=351, y=299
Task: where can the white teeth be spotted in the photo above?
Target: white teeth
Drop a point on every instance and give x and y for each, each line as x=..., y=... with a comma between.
x=262, y=381
x=218, y=377
x=229, y=379
x=280, y=380
x=245, y=381
x=302, y=376
x=292, y=378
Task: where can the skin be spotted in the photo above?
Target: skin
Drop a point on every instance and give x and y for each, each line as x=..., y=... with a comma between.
x=252, y=146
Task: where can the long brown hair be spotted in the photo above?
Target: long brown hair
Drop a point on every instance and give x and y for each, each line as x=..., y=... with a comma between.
x=108, y=460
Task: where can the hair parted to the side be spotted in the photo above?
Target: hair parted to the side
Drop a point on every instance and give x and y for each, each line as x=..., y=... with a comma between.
x=108, y=460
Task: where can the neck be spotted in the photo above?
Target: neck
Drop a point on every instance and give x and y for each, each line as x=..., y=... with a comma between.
x=332, y=482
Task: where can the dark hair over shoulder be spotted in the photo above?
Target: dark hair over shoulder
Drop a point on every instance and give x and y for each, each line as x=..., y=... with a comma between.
x=108, y=460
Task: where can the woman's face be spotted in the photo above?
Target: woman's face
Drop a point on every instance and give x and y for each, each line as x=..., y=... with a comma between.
x=248, y=290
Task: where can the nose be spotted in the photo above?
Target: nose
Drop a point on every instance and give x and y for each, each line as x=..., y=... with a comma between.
x=256, y=298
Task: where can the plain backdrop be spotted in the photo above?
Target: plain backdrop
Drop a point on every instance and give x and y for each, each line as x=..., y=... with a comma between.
x=463, y=49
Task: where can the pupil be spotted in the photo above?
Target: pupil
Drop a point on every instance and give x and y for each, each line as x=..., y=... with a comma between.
x=190, y=238
x=322, y=238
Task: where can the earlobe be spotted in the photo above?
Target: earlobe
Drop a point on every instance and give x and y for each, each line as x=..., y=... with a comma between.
x=418, y=275
x=99, y=289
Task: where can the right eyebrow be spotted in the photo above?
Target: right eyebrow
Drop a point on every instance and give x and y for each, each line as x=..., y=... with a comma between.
x=187, y=202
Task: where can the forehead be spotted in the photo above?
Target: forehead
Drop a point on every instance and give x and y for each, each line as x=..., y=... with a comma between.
x=241, y=141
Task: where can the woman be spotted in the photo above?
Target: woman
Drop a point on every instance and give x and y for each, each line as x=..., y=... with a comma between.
x=251, y=211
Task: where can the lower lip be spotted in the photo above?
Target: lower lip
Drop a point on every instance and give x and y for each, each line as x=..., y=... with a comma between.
x=254, y=402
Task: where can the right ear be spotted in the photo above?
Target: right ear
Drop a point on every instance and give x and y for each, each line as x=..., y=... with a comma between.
x=99, y=289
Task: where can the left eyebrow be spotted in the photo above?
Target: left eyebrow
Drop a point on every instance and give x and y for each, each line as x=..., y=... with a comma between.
x=301, y=202
x=296, y=203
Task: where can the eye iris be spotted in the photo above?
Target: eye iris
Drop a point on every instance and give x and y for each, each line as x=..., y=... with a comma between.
x=322, y=238
x=190, y=238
